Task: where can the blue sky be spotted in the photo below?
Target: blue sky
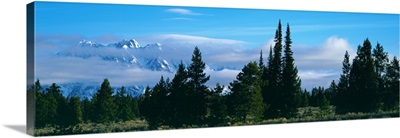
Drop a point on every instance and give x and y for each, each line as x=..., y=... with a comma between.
x=249, y=25
x=327, y=35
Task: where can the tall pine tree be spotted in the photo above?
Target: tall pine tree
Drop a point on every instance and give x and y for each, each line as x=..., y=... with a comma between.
x=272, y=91
x=179, y=98
x=124, y=105
x=381, y=60
x=246, y=94
x=392, y=85
x=197, y=87
x=75, y=111
x=218, y=107
x=87, y=110
x=363, y=80
x=291, y=85
x=343, y=99
x=103, y=104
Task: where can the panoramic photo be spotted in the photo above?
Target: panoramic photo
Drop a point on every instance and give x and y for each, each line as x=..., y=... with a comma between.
x=101, y=68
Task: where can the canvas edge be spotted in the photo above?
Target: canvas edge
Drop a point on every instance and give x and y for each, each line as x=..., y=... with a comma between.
x=30, y=67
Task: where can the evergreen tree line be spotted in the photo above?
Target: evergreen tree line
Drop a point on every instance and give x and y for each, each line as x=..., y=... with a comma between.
x=53, y=109
x=369, y=84
x=260, y=91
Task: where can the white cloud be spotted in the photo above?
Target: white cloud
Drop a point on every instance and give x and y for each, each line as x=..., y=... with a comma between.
x=317, y=65
x=93, y=70
x=314, y=78
x=184, y=40
x=182, y=11
x=180, y=18
x=328, y=56
x=224, y=77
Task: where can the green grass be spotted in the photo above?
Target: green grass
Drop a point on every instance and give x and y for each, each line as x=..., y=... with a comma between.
x=85, y=128
x=315, y=114
x=307, y=114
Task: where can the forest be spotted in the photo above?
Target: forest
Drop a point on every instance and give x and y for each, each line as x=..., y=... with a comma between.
x=262, y=93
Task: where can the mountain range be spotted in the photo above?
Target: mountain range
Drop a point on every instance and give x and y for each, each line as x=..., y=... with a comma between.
x=128, y=53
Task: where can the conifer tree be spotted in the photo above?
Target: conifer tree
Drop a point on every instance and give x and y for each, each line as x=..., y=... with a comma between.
x=179, y=98
x=75, y=111
x=246, y=94
x=157, y=104
x=305, y=96
x=56, y=105
x=103, y=104
x=392, y=85
x=266, y=89
x=135, y=106
x=291, y=86
x=381, y=60
x=124, y=105
x=272, y=92
x=363, y=80
x=197, y=87
x=145, y=104
x=217, y=107
x=261, y=65
x=331, y=92
x=343, y=100
x=324, y=104
x=41, y=105
x=87, y=110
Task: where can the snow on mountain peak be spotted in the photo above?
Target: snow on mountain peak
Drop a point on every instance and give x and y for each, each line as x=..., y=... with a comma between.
x=87, y=43
x=155, y=45
x=132, y=43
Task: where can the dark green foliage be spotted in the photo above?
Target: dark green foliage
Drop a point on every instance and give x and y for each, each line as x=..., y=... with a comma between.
x=272, y=93
x=317, y=95
x=145, y=103
x=283, y=90
x=246, y=95
x=56, y=105
x=266, y=89
x=291, y=83
x=261, y=66
x=332, y=92
x=179, y=98
x=343, y=100
x=103, y=104
x=41, y=113
x=363, y=81
x=305, y=96
x=197, y=88
x=217, y=106
x=87, y=110
x=364, y=86
x=156, y=104
x=392, y=77
x=124, y=105
x=324, y=104
x=135, y=107
x=381, y=60
x=75, y=111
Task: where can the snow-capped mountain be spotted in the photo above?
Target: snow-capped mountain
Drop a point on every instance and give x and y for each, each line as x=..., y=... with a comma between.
x=123, y=52
x=153, y=46
x=130, y=54
x=126, y=44
x=87, y=43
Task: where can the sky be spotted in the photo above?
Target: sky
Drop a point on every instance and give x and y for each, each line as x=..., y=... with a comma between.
x=230, y=37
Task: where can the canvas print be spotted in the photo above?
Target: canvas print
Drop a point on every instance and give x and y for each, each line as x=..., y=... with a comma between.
x=100, y=68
